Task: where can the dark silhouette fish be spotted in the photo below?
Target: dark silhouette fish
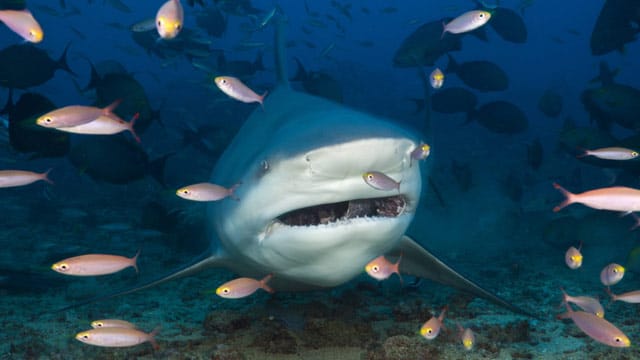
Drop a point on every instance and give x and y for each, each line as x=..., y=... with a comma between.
x=114, y=86
x=509, y=25
x=501, y=117
x=425, y=45
x=550, y=103
x=617, y=25
x=318, y=83
x=26, y=136
x=239, y=68
x=535, y=154
x=454, y=100
x=613, y=103
x=480, y=75
x=115, y=159
x=212, y=20
x=23, y=66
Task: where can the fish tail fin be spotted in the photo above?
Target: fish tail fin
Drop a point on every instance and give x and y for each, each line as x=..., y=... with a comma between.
x=301, y=73
x=131, y=127
x=152, y=337
x=611, y=294
x=635, y=225
x=45, y=176
x=94, y=79
x=263, y=284
x=156, y=168
x=261, y=97
x=134, y=261
x=569, y=197
x=444, y=29
x=62, y=62
x=583, y=152
x=232, y=190
x=452, y=65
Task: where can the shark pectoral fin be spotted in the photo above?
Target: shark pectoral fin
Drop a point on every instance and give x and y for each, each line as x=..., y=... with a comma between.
x=417, y=261
x=202, y=262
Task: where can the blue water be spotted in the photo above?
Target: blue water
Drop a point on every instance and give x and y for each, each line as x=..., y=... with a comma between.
x=513, y=247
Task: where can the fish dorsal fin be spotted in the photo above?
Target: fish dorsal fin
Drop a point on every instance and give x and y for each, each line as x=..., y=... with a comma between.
x=280, y=53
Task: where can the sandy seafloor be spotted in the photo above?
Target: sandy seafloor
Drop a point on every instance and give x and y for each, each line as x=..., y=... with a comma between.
x=360, y=320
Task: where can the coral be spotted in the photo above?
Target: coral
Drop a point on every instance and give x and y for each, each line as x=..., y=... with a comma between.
x=274, y=338
x=319, y=333
x=225, y=321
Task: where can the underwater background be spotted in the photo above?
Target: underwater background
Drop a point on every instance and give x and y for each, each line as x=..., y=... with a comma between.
x=564, y=77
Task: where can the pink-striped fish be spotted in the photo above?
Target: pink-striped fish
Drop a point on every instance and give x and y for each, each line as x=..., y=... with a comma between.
x=431, y=328
x=117, y=337
x=74, y=115
x=380, y=268
x=586, y=303
x=616, y=198
x=206, y=192
x=234, y=88
x=611, y=274
x=243, y=287
x=573, y=257
x=104, y=125
x=631, y=297
x=22, y=23
x=597, y=328
x=106, y=323
x=380, y=181
x=170, y=19
x=12, y=178
x=95, y=264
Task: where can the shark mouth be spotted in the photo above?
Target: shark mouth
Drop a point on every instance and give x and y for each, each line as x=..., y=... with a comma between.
x=390, y=207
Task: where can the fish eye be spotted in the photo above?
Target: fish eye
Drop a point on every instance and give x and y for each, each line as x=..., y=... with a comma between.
x=48, y=120
x=375, y=268
x=63, y=267
x=370, y=176
x=618, y=340
x=99, y=324
x=85, y=336
x=429, y=331
x=634, y=153
x=160, y=22
x=226, y=291
x=186, y=191
x=178, y=26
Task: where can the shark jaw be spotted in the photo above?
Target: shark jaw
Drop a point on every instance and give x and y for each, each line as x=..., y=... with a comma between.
x=311, y=219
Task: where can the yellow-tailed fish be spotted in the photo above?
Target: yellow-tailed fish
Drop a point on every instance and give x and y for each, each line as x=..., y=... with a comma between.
x=466, y=22
x=110, y=323
x=169, y=19
x=243, y=287
x=117, y=337
x=467, y=337
x=95, y=264
x=611, y=274
x=234, y=88
x=436, y=78
x=12, y=178
x=573, y=257
x=586, y=303
x=22, y=23
x=380, y=268
x=380, y=181
x=597, y=328
x=74, y=115
x=615, y=198
x=631, y=297
x=206, y=192
x=431, y=328
x=611, y=153
x=105, y=125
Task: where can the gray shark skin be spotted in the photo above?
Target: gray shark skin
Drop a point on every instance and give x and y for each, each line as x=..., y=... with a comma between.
x=303, y=152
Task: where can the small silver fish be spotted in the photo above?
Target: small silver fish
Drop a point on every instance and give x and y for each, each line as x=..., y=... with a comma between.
x=238, y=90
x=380, y=181
x=611, y=153
x=466, y=22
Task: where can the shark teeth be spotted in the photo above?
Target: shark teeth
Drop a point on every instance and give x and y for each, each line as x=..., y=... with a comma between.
x=325, y=214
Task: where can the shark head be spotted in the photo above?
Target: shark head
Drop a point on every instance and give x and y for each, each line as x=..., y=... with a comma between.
x=304, y=212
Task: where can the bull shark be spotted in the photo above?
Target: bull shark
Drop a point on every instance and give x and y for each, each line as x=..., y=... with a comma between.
x=304, y=213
